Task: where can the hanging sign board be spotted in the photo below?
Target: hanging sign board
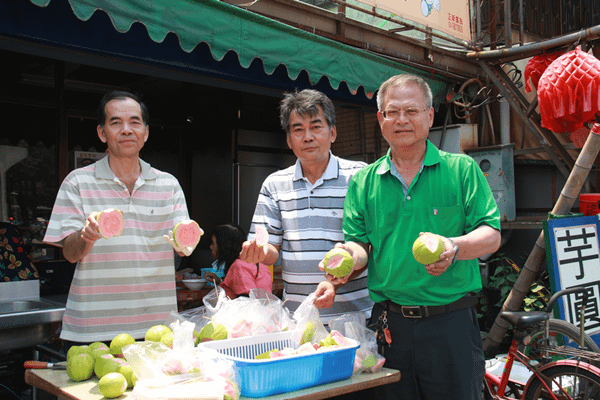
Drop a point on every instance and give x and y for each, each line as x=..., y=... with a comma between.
x=85, y=158
x=572, y=249
x=451, y=17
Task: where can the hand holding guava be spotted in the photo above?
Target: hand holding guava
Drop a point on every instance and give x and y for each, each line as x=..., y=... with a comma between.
x=185, y=236
x=91, y=230
x=338, y=264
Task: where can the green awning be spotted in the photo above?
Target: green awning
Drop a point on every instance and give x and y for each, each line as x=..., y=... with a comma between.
x=224, y=27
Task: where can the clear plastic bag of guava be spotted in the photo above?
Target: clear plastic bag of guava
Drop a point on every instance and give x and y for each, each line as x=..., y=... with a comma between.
x=352, y=326
x=185, y=369
x=309, y=327
x=203, y=365
x=200, y=374
x=258, y=314
x=155, y=359
x=184, y=338
x=278, y=316
x=144, y=357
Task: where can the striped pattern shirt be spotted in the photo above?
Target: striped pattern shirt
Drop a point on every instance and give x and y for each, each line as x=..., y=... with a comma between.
x=306, y=221
x=126, y=283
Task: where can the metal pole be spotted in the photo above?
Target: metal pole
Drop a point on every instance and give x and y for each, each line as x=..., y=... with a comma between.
x=536, y=47
x=521, y=23
x=507, y=24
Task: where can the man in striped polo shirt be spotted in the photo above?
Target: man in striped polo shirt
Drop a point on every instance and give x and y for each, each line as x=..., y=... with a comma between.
x=124, y=284
x=302, y=207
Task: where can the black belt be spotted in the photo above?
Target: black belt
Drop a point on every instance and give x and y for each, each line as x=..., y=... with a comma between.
x=429, y=311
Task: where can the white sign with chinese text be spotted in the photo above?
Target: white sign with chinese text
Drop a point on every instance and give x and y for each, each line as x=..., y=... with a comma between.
x=575, y=261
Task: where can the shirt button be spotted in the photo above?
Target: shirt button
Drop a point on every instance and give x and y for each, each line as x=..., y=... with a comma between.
x=407, y=197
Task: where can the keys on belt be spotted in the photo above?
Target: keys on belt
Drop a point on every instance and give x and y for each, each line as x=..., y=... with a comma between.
x=382, y=333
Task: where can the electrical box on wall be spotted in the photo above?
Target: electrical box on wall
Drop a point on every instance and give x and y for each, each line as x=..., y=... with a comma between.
x=497, y=165
x=456, y=138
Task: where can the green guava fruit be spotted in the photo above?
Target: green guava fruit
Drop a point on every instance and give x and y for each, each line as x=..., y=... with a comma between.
x=112, y=385
x=338, y=262
x=156, y=332
x=126, y=370
x=120, y=341
x=112, y=365
x=97, y=345
x=107, y=365
x=212, y=332
x=369, y=361
x=167, y=339
x=328, y=341
x=99, y=364
x=427, y=248
x=205, y=332
x=76, y=350
x=100, y=351
x=308, y=333
x=266, y=355
x=80, y=367
x=219, y=333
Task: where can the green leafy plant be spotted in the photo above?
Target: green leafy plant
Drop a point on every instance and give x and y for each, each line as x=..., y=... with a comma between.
x=502, y=280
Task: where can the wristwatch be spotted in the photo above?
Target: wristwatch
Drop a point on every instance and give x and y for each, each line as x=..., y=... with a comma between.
x=455, y=251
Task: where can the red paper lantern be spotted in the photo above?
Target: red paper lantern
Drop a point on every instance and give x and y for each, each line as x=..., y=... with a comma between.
x=536, y=66
x=568, y=91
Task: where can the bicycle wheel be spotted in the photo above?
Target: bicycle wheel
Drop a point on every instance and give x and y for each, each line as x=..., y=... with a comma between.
x=565, y=380
x=561, y=333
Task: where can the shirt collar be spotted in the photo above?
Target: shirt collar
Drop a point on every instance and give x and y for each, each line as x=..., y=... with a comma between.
x=331, y=172
x=432, y=157
x=103, y=170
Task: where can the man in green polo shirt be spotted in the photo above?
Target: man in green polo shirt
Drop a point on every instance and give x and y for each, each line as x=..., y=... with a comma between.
x=426, y=310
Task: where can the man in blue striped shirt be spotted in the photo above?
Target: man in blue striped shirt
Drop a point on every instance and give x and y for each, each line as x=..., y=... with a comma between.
x=302, y=208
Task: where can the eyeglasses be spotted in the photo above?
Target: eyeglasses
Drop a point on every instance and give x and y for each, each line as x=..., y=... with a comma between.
x=409, y=112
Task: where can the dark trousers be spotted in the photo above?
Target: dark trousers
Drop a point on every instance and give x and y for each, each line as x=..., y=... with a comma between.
x=439, y=357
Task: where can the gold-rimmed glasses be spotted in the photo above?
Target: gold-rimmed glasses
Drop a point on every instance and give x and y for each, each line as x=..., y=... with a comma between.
x=409, y=112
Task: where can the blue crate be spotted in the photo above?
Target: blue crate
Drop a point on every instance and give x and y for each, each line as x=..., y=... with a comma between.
x=259, y=378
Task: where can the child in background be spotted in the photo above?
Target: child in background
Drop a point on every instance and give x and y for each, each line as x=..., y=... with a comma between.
x=240, y=276
x=227, y=237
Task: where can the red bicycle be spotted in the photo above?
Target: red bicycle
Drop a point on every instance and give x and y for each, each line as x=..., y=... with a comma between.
x=564, y=371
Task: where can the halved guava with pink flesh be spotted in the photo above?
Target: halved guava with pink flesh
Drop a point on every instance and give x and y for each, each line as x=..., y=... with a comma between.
x=187, y=233
x=338, y=262
x=427, y=248
x=111, y=223
x=262, y=236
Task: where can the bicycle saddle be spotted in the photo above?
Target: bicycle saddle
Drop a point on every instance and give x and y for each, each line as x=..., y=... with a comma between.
x=523, y=319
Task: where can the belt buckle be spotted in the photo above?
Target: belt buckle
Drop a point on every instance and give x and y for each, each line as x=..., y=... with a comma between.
x=414, y=311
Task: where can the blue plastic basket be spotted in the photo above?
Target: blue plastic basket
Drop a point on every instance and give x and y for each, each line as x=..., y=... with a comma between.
x=259, y=378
